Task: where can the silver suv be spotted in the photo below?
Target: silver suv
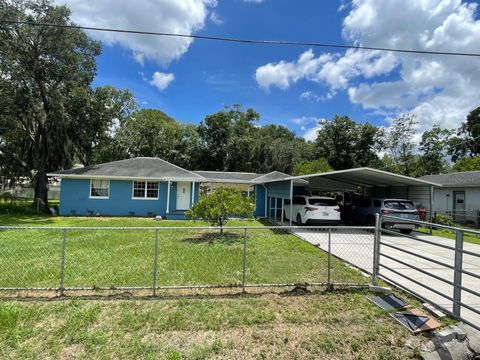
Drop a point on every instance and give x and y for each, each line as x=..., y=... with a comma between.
x=364, y=210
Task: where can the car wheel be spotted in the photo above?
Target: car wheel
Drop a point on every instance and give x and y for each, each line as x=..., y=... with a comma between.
x=405, y=231
x=299, y=220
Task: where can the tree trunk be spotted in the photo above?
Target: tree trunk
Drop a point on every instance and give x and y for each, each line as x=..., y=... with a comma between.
x=40, y=185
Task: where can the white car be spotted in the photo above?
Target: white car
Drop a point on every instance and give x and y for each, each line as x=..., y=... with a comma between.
x=313, y=210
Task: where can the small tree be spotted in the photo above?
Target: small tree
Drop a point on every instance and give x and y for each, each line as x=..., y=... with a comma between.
x=217, y=207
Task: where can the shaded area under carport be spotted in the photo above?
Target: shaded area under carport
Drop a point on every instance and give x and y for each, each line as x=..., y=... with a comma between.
x=370, y=182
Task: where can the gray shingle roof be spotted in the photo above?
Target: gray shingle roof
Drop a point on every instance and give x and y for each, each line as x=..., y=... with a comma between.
x=140, y=167
x=466, y=178
x=218, y=176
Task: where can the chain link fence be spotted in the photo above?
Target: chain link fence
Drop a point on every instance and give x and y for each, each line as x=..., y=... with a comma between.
x=106, y=258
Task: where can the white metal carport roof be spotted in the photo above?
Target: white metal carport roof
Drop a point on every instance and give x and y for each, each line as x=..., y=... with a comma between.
x=351, y=178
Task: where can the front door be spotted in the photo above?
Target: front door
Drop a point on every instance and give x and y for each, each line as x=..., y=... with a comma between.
x=459, y=206
x=183, y=195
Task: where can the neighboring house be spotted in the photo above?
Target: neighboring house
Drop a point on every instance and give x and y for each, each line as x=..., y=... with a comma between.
x=459, y=195
x=141, y=187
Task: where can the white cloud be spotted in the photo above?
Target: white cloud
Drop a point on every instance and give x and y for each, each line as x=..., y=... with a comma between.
x=311, y=96
x=215, y=18
x=310, y=134
x=186, y=16
x=254, y=1
x=438, y=89
x=161, y=80
x=283, y=74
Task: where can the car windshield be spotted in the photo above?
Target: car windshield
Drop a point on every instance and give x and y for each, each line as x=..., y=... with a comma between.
x=399, y=205
x=322, y=202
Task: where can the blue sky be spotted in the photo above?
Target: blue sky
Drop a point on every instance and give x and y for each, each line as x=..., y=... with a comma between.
x=367, y=86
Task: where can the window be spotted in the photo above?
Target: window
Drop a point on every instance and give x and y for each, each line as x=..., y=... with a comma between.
x=399, y=205
x=145, y=190
x=99, y=188
x=299, y=200
x=322, y=202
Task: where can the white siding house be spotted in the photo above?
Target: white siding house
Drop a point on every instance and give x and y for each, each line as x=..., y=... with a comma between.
x=459, y=195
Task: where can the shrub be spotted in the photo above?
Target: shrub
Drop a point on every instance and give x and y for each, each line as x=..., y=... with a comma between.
x=217, y=207
x=443, y=219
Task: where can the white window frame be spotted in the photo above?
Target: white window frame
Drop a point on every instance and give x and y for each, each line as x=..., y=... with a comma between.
x=144, y=197
x=98, y=197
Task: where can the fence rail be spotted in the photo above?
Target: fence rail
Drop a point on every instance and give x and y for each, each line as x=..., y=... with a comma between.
x=442, y=271
x=73, y=259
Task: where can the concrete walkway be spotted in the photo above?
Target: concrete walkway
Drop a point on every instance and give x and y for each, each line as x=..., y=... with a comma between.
x=356, y=247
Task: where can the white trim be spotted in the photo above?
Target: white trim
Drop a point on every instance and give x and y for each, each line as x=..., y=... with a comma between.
x=168, y=196
x=193, y=194
x=113, y=177
x=98, y=197
x=146, y=190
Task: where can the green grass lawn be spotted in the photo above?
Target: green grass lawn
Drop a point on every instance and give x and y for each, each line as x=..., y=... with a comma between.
x=332, y=325
x=215, y=324
x=467, y=237
x=186, y=256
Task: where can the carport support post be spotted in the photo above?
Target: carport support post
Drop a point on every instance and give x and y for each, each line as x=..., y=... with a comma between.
x=283, y=203
x=376, y=250
x=291, y=202
x=430, y=218
x=457, y=273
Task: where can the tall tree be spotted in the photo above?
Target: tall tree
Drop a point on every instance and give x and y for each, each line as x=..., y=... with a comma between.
x=400, y=143
x=225, y=138
x=149, y=132
x=470, y=163
x=467, y=141
x=434, y=150
x=44, y=70
x=346, y=143
x=275, y=147
x=311, y=167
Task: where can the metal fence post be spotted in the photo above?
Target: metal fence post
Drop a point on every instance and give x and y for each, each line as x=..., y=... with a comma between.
x=457, y=274
x=376, y=250
x=155, y=264
x=244, y=277
x=329, y=281
x=62, y=269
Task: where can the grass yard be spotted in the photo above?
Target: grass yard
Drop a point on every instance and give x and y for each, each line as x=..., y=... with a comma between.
x=332, y=325
x=467, y=237
x=125, y=258
x=182, y=325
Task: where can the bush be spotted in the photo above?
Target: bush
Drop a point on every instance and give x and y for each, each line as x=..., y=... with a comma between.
x=217, y=207
x=443, y=219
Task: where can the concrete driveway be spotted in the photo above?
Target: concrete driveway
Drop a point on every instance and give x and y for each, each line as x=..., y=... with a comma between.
x=356, y=247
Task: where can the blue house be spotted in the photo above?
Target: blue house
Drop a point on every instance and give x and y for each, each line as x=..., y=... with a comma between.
x=144, y=187
x=151, y=186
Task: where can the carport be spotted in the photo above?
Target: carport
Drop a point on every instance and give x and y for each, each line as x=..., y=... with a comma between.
x=369, y=182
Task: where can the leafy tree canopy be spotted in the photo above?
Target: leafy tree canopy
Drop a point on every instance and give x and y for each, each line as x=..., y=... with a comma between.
x=311, y=167
x=217, y=207
x=467, y=164
x=345, y=143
